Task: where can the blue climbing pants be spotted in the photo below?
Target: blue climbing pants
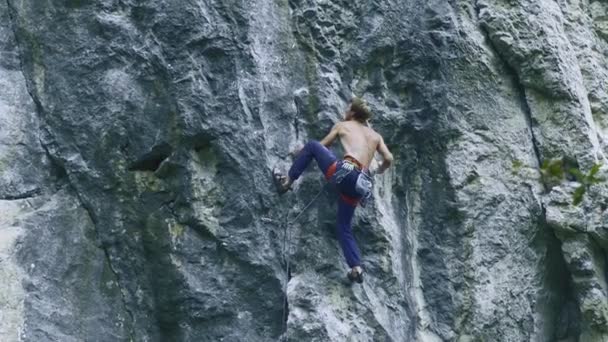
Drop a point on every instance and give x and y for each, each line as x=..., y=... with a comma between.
x=328, y=163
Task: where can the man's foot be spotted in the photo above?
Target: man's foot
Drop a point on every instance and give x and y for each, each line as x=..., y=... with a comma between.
x=355, y=275
x=281, y=182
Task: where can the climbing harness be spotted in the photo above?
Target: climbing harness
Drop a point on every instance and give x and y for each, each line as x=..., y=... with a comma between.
x=364, y=185
x=287, y=248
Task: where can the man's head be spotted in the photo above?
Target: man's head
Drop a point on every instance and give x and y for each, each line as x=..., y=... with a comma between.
x=358, y=110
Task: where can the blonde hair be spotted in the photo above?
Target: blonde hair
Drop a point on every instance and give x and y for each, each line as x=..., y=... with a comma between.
x=360, y=109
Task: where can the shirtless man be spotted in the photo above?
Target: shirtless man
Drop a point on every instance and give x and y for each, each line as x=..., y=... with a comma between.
x=351, y=174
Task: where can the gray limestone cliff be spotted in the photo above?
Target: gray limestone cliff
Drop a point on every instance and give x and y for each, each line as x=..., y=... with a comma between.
x=137, y=139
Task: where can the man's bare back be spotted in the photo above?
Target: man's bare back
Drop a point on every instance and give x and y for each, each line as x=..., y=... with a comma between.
x=360, y=142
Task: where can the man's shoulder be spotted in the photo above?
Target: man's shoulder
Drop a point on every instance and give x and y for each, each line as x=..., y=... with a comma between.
x=377, y=137
x=338, y=126
x=374, y=133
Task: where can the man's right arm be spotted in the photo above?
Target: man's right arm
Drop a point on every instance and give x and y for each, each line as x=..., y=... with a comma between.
x=333, y=134
x=386, y=155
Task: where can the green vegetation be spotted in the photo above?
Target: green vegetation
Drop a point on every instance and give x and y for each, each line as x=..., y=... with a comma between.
x=554, y=171
x=586, y=181
x=74, y=3
x=517, y=165
x=176, y=230
x=312, y=79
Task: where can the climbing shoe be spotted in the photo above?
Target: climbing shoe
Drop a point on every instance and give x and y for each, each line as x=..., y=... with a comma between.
x=278, y=179
x=355, y=276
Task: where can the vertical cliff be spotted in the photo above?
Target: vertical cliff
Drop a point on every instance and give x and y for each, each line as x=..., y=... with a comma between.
x=137, y=139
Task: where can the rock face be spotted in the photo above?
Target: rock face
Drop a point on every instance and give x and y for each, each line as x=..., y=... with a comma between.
x=137, y=139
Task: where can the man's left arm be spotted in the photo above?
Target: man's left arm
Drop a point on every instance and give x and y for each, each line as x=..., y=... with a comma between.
x=333, y=134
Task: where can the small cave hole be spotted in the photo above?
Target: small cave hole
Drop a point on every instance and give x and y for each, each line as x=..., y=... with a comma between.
x=152, y=160
x=200, y=141
x=58, y=171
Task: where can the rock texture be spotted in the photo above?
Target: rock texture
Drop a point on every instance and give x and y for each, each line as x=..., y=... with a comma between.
x=137, y=139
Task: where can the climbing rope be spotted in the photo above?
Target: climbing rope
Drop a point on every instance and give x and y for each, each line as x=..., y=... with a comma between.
x=287, y=248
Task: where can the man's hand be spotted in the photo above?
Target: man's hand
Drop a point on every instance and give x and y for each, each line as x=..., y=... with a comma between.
x=386, y=155
x=384, y=166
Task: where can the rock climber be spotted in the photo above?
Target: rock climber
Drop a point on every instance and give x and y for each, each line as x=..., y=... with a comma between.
x=351, y=175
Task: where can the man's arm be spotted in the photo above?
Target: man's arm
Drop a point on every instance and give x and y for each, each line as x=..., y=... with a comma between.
x=386, y=155
x=333, y=134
